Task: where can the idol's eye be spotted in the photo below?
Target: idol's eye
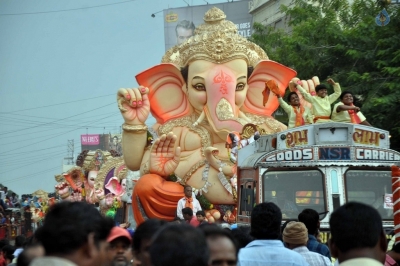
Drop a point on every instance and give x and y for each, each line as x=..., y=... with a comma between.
x=199, y=87
x=240, y=86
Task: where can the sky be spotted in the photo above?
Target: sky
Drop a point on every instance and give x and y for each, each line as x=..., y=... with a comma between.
x=61, y=64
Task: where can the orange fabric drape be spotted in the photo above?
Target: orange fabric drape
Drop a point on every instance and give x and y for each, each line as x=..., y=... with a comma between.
x=354, y=117
x=299, y=116
x=154, y=197
x=189, y=202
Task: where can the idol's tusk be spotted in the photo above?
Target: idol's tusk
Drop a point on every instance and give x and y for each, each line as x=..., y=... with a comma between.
x=200, y=119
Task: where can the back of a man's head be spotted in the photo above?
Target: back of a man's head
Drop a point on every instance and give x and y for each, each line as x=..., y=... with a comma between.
x=179, y=245
x=20, y=241
x=355, y=226
x=310, y=218
x=67, y=226
x=145, y=231
x=266, y=221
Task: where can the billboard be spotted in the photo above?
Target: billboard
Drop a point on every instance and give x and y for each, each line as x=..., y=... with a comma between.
x=104, y=142
x=179, y=23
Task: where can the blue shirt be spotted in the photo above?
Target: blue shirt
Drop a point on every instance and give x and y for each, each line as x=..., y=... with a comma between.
x=269, y=252
x=314, y=246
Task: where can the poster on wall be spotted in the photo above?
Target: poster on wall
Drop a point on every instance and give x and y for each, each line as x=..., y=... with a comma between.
x=180, y=23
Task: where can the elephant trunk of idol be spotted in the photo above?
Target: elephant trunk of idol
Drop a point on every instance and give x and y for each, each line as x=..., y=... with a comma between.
x=221, y=110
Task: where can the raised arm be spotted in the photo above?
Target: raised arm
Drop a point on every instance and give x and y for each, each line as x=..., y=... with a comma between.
x=286, y=107
x=337, y=91
x=308, y=97
x=135, y=108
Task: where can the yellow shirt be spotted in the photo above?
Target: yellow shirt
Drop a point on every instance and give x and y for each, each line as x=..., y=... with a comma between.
x=361, y=262
x=321, y=106
x=343, y=116
x=307, y=116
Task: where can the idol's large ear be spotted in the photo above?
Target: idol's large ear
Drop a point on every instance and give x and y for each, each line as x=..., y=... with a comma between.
x=167, y=99
x=264, y=71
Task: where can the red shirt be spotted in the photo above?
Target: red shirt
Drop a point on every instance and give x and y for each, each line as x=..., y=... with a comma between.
x=194, y=221
x=2, y=261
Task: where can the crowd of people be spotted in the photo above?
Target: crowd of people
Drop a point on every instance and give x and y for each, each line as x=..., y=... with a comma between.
x=344, y=111
x=75, y=233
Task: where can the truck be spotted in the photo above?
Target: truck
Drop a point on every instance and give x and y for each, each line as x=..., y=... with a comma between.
x=317, y=166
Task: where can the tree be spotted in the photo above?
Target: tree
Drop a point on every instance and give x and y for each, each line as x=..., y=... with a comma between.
x=338, y=39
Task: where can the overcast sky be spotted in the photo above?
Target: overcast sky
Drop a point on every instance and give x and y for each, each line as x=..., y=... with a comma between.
x=61, y=64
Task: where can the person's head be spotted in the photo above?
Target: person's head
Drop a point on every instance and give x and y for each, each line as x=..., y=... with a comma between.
x=266, y=221
x=13, y=195
x=310, y=218
x=142, y=240
x=321, y=90
x=187, y=213
x=184, y=30
x=222, y=246
x=5, y=189
x=179, y=245
x=8, y=252
x=119, y=251
x=242, y=236
x=115, y=139
x=4, y=242
x=20, y=241
x=201, y=216
x=293, y=99
x=346, y=97
x=188, y=191
x=295, y=235
x=357, y=231
x=77, y=232
x=29, y=254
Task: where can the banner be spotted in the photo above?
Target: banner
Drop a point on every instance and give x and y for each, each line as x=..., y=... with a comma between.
x=180, y=23
x=90, y=139
x=104, y=142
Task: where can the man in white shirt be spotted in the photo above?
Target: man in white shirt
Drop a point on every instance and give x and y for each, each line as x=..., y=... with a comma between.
x=188, y=201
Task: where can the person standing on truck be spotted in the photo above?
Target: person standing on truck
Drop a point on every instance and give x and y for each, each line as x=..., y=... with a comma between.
x=267, y=249
x=321, y=103
x=310, y=218
x=298, y=115
x=345, y=111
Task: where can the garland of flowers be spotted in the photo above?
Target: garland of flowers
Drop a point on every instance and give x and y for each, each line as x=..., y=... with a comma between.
x=204, y=203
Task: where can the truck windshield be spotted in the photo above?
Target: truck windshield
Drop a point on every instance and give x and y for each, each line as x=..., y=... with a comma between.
x=372, y=188
x=294, y=191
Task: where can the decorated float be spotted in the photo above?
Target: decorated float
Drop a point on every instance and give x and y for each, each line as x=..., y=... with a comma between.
x=100, y=178
x=205, y=88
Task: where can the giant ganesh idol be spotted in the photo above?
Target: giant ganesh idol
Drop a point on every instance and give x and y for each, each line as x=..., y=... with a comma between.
x=211, y=85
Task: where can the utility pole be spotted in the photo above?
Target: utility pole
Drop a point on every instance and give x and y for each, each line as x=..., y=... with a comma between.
x=70, y=153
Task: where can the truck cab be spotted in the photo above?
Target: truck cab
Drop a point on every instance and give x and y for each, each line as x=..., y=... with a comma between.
x=319, y=166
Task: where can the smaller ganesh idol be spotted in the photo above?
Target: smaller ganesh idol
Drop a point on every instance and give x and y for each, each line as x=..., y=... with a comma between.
x=345, y=111
x=110, y=186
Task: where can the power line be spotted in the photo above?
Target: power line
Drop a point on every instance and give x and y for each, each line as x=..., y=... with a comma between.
x=30, y=175
x=57, y=104
x=57, y=120
x=22, y=147
x=65, y=10
x=26, y=152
